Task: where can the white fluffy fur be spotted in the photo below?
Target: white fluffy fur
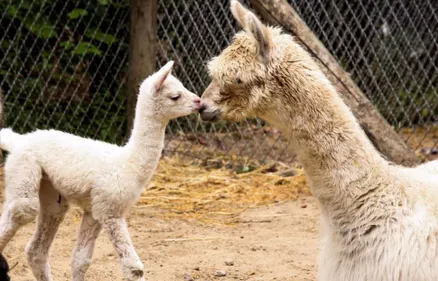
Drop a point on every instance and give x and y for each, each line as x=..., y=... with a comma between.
x=380, y=220
x=47, y=170
x=431, y=167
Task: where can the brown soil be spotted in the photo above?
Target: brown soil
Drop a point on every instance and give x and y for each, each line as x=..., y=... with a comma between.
x=276, y=242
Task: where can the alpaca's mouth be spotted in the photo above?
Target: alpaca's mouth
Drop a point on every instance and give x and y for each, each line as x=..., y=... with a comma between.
x=210, y=116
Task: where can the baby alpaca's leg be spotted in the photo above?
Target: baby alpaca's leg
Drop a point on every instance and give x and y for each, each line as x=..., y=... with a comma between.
x=81, y=258
x=118, y=232
x=21, y=205
x=52, y=212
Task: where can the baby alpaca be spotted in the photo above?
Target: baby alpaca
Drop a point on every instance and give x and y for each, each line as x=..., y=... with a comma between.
x=47, y=170
x=380, y=220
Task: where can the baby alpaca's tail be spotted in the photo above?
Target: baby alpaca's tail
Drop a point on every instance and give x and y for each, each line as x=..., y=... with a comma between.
x=8, y=139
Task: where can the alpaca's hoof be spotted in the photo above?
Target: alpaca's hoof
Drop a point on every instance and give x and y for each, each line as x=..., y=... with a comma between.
x=137, y=273
x=132, y=269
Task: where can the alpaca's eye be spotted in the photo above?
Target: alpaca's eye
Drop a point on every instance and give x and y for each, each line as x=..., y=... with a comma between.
x=175, y=97
x=238, y=81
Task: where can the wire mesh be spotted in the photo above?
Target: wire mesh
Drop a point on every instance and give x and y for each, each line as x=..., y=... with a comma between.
x=63, y=65
x=390, y=50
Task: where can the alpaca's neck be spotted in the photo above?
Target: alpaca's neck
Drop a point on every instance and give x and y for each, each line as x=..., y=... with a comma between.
x=336, y=154
x=146, y=143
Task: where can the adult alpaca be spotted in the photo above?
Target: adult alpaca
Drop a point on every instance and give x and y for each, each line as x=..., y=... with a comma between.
x=48, y=169
x=379, y=220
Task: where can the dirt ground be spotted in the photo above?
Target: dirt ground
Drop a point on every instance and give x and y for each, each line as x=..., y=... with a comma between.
x=276, y=242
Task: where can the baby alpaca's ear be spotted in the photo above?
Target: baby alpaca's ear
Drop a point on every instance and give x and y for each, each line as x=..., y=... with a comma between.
x=162, y=75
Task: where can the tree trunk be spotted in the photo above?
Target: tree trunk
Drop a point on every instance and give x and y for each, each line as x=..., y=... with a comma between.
x=142, y=50
x=382, y=134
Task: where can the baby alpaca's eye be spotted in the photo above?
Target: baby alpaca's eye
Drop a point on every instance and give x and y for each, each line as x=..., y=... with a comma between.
x=238, y=81
x=176, y=97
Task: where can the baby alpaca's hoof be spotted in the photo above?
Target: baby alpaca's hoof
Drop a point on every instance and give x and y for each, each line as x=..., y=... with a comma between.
x=133, y=270
x=137, y=273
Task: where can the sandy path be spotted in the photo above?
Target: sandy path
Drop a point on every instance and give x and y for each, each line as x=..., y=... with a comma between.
x=277, y=242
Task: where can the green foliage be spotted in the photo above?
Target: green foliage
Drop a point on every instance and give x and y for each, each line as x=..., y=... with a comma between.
x=97, y=34
x=77, y=13
x=84, y=48
x=34, y=21
x=63, y=65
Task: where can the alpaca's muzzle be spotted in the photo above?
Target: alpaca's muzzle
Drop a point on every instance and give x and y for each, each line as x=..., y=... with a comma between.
x=208, y=115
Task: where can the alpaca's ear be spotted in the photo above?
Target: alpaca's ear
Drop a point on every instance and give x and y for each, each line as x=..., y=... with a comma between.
x=251, y=23
x=162, y=75
x=261, y=34
x=239, y=12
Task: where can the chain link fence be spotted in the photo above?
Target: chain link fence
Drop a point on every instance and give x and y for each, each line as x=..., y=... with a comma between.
x=63, y=65
x=390, y=49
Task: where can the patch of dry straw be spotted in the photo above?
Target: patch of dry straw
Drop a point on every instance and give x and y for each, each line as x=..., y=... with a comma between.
x=422, y=140
x=186, y=190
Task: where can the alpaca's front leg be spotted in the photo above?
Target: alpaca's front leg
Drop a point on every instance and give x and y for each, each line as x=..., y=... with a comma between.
x=119, y=236
x=81, y=258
